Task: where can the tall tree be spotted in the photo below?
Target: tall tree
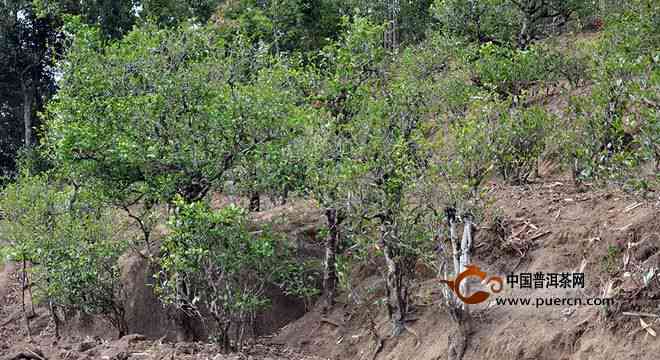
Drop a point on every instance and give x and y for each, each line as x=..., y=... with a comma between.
x=167, y=112
x=172, y=12
x=28, y=49
x=114, y=17
x=352, y=63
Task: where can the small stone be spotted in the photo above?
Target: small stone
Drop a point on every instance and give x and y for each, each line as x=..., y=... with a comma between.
x=92, y=353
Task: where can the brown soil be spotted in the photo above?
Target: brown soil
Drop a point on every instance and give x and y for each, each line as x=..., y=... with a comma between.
x=580, y=229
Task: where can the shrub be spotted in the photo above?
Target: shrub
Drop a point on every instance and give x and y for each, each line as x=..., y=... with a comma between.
x=71, y=244
x=508, y=22
x=413, y=17
x=510, y=72
x=596, y=143
x=479, y=21
x=212, y=262
x=614, y=131
x=171, y=112
x=468, y=156
x=520, y=140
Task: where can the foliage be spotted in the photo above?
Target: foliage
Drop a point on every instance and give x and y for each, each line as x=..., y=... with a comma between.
x=71, y=243
x=113, y=17
x=212, y=261
x=541, y=18
x=29, y=47
x=344, y=81
x=478, y=21
x=166, y=111
x=509, y=22
x=610, y=262
x=412, y=17
x=598, y=142
x=620, y=117
x=162, y=103
x=173, y=12
x=279, y=168
x=467, y=156
x=511, y=72
x=521, y=138
x=390, y=157
x=289, y=25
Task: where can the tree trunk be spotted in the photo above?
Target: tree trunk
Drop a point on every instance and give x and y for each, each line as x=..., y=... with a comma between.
x=397, y=291
x=24, y=285
x=330, y=263
x=392, y=31
x=56, y=319
x=183, y=316
x=224, y=336
x=458, y=341
x=453, y=301
x=466, y=248
x=458, y=311
x=28, y=98
x=122, y=328
x=523, y=35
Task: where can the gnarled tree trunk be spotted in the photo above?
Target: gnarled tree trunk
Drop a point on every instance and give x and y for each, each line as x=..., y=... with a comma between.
x=396, y=286
x=458, y=311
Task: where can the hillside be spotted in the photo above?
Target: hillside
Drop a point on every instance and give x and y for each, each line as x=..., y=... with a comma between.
x=329, y=179
x=580, y=227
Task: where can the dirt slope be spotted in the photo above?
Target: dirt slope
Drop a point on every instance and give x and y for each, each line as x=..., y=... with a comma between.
x=597, y=231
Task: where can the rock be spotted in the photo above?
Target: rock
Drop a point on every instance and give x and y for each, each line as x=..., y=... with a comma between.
x=93, y=353
x=140, y=356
